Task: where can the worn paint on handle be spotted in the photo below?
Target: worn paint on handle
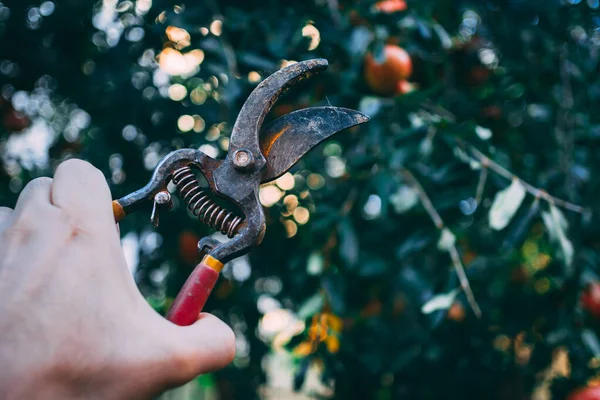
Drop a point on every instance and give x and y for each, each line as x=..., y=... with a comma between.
x=118, y=211
x=195, y=292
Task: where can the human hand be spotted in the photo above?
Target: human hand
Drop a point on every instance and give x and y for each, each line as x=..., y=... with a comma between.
x=72, y=322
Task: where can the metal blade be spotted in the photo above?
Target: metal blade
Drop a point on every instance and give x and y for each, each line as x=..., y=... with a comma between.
x=284, y=141
x=249, y=121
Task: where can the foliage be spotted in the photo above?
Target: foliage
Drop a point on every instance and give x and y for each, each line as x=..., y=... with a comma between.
x=445, y=188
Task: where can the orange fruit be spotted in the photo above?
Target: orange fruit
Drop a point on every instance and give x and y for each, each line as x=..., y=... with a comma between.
x=456, y=312
x=587, y=393
x=390, y=6
x=383, y=77
x=590, y=299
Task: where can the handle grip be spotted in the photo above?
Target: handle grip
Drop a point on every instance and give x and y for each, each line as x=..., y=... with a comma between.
x=195, y=292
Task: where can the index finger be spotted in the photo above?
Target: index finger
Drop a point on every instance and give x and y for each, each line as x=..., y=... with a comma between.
x=81, y=190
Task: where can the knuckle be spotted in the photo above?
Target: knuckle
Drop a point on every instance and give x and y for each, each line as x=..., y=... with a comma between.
x=63, y=220
x=57, y=217
x=45, y=217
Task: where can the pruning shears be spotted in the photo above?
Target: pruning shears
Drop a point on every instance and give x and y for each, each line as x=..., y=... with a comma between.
x=256, y=155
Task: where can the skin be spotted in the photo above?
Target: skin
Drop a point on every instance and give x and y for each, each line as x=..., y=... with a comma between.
x=73, y=324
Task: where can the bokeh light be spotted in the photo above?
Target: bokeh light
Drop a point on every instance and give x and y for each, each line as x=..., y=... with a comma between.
x=315, y=181
x=216, y=27
x=254, y=77
x=173, y=62
x=291, y=228
x=286, y=181
x=301, y=215
x=309, y=31
x=179, y=36
x=177, y=92
x=185, y=123
x=269, y=195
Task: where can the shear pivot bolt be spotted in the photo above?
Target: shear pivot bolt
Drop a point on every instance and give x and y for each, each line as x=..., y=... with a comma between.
x=162, y=198
x=243, y=159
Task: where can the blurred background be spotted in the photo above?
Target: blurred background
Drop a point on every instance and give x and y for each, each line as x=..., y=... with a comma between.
x=449, y=248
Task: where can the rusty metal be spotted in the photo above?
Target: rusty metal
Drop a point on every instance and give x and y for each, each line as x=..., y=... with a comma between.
x=256, y=155
x=202, y=206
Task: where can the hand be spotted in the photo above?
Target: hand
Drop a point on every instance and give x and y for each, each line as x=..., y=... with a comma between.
x=72, y=321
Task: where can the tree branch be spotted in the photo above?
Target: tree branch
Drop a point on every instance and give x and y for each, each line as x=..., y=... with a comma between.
x=425, y=201
x=497, y=168
x=487, y=162
x=481, y=185
x=453, y=250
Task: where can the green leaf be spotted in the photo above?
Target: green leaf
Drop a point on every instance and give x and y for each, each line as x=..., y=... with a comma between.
x=483, y=133
x=447, y=240
x=370, y=105
x=506, y=204
x=300, y=375
x=349, y=245
x=521, y=227
x=426, y=147
x=591, y=341
x=206, y=381
x=314, y=266
x=415, y=242
x=440, y=302
x=359, y=41
x=371, y=265
x=404, y=199
x=464, y=157
x=445, y=39
x=557, y=225
x=334, y=286
x=311, y=306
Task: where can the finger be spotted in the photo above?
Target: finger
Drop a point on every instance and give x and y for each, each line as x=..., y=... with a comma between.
x=5, y=217
x=33, y=204
x=207, y=345
x=36, y=191
x=36, y=219
x=81, y=190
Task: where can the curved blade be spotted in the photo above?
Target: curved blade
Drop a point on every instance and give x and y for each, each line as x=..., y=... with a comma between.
x=284, y=141
x=249, y=121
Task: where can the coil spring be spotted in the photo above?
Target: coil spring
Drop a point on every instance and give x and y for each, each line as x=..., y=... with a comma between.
x=202, y=206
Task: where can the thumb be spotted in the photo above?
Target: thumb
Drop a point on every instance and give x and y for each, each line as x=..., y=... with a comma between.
x=205, y=346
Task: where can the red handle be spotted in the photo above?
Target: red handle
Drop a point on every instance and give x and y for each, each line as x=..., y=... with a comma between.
x=193, y=295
